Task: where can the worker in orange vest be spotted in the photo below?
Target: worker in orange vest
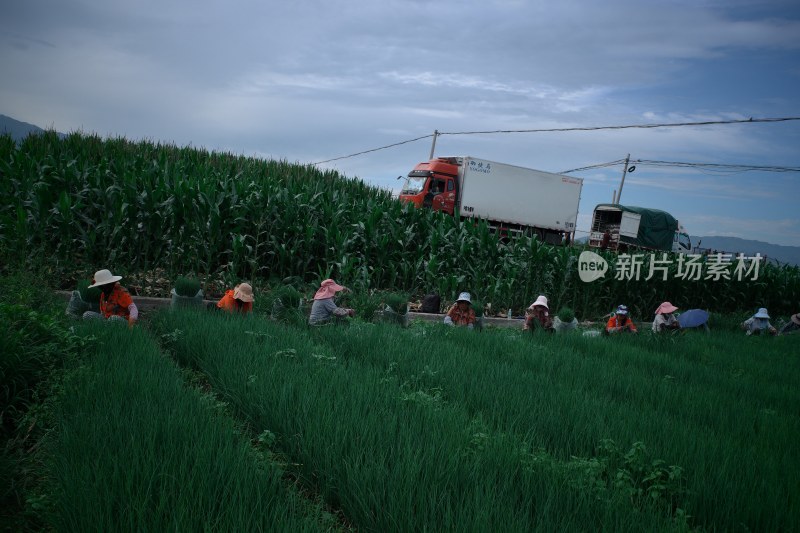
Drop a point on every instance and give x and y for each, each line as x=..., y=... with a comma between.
x=115, y=300
x=240, y=299
x=620, y=322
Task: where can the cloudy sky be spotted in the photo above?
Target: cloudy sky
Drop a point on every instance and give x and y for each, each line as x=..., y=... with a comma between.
x=308, y=81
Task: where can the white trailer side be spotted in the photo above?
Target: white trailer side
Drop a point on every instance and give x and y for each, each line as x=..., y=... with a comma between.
x=518, y=196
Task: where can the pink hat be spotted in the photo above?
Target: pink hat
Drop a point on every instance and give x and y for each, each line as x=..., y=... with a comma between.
x=327, y=289
x=665, y=308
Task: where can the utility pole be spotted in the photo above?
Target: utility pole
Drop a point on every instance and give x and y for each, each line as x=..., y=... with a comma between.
x=621, y=183
x=433, y=145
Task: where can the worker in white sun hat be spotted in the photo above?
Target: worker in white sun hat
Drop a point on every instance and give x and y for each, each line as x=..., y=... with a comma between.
x=620, y=322
x=115, y=300
x=537, y=316
x=462, y=313
x=759, y=323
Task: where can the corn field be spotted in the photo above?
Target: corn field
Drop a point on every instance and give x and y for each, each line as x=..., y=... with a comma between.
x=81, y=203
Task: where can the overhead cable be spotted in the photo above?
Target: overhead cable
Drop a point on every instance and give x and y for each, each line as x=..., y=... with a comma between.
x=708, y=167
x=374, y=149
x=585, y=128
x=718, y=166
x=630, y=126
x=599, y=165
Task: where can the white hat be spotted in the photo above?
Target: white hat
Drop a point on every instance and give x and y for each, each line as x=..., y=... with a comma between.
x=762, y=313
x=104, y=277
x=622, y=310
x=541, y=300
x=464, y=297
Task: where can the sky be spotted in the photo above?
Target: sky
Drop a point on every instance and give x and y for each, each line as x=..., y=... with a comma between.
x=308, y=81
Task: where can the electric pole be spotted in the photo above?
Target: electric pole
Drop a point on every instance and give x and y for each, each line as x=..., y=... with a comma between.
x=433, y=145
x=621, y=183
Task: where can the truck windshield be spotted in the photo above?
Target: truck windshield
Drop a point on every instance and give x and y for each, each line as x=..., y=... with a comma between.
x=413, y=185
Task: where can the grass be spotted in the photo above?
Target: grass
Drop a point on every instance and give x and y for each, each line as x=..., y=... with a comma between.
x=134, y=449
x=187, y=287
x=584, y=430
x=35, y=343
x=705, y=403
x=489, y=431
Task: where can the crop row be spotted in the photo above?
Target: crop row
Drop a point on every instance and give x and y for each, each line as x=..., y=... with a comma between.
x=137, y=207
x=502, y=432
x=704, y=403
x=134, y=449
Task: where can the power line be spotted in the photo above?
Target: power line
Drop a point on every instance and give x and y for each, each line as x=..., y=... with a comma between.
x=599, y=165
x=631, y=126
x=374, y=149
x=710, y=167
x=719, y=167
x=586, y=128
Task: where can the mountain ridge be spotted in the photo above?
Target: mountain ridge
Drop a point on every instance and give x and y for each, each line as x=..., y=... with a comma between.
x=18, y=129
x=735, y=245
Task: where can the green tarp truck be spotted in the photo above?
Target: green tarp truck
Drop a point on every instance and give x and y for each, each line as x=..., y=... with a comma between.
x=637, y=227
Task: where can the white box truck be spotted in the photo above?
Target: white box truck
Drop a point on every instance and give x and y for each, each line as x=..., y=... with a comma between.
x=510, y=198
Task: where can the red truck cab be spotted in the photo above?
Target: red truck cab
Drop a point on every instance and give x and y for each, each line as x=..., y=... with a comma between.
x=433, y=185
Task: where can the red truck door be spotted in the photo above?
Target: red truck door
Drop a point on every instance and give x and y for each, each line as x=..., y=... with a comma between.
x=446, y=200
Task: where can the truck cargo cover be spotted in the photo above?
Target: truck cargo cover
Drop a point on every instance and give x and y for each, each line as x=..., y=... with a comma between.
x=656, y=228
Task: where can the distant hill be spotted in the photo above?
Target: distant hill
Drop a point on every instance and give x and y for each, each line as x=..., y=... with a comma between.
x=734, y=245
x=17, y=129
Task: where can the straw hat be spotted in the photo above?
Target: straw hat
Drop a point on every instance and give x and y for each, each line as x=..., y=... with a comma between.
x=622, y=310
x=327, y=289
x=762, y=313
x=464, y=297
x=243, y=292
x=666, y=308
x=104, y=277
x=541, y=300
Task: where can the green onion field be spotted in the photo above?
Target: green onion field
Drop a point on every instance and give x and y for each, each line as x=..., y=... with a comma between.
x=201, y=421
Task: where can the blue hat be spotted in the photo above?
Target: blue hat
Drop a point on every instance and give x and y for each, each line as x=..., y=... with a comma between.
x=622, y=310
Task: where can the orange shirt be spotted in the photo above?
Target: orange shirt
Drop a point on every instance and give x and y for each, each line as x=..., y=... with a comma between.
x=117, y=302
x=228, y=303
x=462, y=318
x=625, y=323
